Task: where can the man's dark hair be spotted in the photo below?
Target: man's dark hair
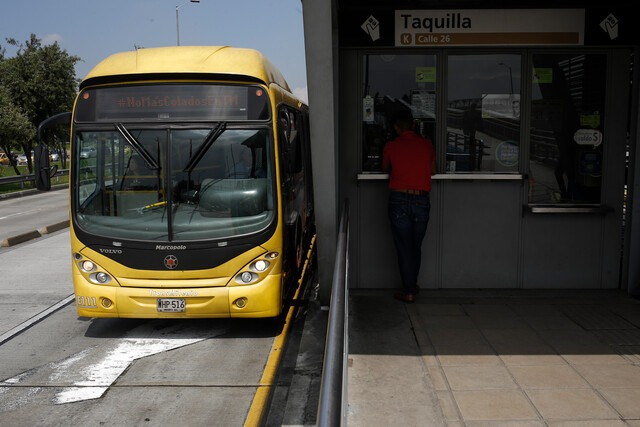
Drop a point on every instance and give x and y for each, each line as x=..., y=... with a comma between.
x=403, y=119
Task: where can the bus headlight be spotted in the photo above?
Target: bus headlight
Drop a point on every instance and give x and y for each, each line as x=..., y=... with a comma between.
x=257, y=269
x=246, y=277
x=87, y=266
x=261, y=265
x=102, y=277
x=92, y=271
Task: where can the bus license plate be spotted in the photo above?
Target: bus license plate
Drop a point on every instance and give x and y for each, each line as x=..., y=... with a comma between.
x=172, y=305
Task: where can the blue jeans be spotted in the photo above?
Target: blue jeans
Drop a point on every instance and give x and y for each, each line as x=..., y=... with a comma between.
x=409, y=217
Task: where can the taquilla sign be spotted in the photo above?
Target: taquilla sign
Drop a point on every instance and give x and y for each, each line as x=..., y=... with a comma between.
x=489, y=27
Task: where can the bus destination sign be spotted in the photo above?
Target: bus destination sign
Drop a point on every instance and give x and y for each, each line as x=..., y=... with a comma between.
x=172, y=102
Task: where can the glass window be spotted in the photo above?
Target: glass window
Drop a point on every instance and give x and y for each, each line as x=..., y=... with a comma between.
x=291, y=139
x=174, y=184
x=393, y=83
x=567, y=120
x=483, y=113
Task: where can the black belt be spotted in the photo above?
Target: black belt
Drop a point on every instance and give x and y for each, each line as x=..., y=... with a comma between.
x=414, y=192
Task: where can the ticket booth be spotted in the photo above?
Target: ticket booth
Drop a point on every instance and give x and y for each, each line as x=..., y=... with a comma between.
x=533, y=117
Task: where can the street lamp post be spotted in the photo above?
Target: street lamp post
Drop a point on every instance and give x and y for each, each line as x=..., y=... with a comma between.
x=510, y=75
x=178, y=19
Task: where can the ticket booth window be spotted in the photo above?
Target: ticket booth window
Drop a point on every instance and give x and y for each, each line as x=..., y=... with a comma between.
x=483, y=113
x=567, y=128
x=394, y=83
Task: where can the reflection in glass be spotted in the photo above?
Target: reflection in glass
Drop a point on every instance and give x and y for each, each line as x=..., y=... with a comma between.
x=394, y=83
x=567, y=120
x=175, y=184
x=483, y=113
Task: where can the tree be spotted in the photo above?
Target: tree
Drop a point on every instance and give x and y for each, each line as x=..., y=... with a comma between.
x=41, y=82
x=14, y=126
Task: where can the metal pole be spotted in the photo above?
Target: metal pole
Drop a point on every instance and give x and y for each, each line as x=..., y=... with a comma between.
x=177, y=27
x=511, y=79
x=332, y=405
x=510, y=75
x=178, y=19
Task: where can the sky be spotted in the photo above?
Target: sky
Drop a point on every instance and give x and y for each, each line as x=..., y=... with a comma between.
x=95, y=29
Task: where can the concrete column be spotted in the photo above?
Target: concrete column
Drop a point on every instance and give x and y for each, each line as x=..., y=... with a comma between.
x=319, y=47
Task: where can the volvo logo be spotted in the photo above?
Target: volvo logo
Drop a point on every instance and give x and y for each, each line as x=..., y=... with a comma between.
x=171, y=262
x=110, y=251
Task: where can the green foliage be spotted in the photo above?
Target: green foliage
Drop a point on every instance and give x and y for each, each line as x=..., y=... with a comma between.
x=40, y=82
x=14, y=126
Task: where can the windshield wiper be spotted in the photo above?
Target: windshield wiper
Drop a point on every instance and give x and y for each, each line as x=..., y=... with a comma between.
x=138, y=147
x=210, y=139
x=151, y=207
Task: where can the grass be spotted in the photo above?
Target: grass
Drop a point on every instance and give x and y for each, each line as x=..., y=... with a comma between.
x=8, y=170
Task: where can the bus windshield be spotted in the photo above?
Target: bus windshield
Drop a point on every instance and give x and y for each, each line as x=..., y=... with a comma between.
x=170, y=183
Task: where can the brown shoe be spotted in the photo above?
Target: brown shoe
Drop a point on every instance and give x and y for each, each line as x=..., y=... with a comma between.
x=401, y=296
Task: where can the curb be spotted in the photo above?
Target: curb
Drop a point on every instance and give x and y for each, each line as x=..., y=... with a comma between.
x=25, y=237
x=20, y=238
x=54, y=227
x=31, y=235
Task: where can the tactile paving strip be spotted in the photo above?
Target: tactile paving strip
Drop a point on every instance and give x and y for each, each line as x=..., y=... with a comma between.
x=591, y=319
x=619, y=337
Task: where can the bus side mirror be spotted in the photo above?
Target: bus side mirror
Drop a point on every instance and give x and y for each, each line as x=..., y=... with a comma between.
x=41, y=151
x=41, y=169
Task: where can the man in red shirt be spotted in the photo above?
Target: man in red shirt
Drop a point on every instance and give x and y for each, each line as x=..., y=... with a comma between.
x=410, y=161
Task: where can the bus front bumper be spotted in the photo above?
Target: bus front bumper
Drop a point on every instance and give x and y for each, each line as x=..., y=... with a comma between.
x=263, y=299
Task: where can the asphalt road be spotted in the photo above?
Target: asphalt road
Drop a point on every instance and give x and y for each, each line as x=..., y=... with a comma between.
x=31, y=214
x=59, y=369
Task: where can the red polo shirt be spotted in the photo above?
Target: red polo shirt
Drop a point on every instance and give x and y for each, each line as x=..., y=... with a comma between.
x=408, y=159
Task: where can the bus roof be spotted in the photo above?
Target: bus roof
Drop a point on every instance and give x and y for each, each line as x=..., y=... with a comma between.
x=175, y=60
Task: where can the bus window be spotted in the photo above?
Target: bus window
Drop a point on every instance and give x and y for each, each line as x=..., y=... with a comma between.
x=122, y=182
x=291, y=141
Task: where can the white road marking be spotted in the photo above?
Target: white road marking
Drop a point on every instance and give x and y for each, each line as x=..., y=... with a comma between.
x=21, y=213
x=100, y=375
x=92, y=378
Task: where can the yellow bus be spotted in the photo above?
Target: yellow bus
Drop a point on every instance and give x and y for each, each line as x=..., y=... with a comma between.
x=190, y=186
